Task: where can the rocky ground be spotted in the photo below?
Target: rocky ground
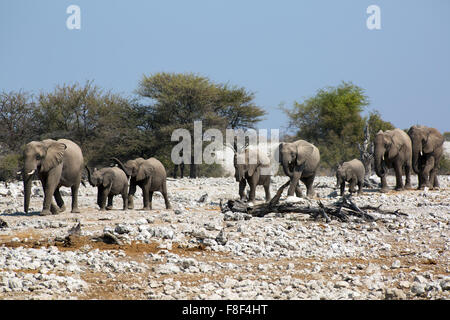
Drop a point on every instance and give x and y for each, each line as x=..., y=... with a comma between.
x=194, y=251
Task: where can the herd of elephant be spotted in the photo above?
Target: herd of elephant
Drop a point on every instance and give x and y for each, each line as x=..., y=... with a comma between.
x=60, y=163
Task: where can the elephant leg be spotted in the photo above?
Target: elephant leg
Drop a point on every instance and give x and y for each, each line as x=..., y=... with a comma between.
x=352, y=186
x=360, y=186
x=164, y=193
x=54, y=208
x=146, y=194
x=384, y=186
x=420, y=178
x=426, y=174
x=125, y=199
x=103, y=198
x=433, y=174
x=408, y=177
x=59, y=200
x=242, y=185
x=267, y=191
x=99, y=196
x=110, y=202
x=342, y=187
x=49, y=190
x=398, y=176
x=74, y=189
x=131, y=193
x=309, y=183
x=150, y=199
x=298, y=191
x=175, y=171
x=294, y=183
x=251, y=197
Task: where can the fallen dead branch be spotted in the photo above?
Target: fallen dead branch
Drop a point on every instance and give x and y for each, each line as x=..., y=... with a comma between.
x=341, y=210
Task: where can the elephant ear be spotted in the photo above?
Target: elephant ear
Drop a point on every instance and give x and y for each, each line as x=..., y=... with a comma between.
x=108, y=179
x=251, y=168
x=349, y=173
x=54, y=155
x=303, y=153
x=144, y=172
x=432, y=141
x=396, y=144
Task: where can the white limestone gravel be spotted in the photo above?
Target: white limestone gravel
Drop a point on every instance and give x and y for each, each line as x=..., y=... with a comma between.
x=196, y=252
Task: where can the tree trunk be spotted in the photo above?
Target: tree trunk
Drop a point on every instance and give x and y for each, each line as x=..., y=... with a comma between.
x=193, y=171
x=366, y=156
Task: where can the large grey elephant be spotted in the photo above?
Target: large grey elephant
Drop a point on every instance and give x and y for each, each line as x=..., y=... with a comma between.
x=427, y=150
x=353, y=172
x=150, y=175
x=253, y=167
x=57, y=163
x=300, y=160
x=109, y=182
x=393, y=149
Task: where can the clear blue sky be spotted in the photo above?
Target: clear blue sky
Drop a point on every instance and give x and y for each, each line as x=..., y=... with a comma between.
x=284, y=51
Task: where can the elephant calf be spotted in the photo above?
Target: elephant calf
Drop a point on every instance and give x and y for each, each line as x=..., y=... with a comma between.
x=150, y=175
x=253, y=167
x=353, y=172
x=110, y=182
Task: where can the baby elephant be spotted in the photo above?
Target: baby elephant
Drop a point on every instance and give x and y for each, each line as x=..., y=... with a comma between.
x=252, y=166
x=110, y=182
x=353, y=172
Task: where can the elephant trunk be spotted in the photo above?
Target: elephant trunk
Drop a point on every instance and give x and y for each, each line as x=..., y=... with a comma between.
x=416, y=152
x=338, y=180
x=90, y=177
x=380, y=166
x=27, y=173
x=27, y=182
x=286, y=168
x=122, y=166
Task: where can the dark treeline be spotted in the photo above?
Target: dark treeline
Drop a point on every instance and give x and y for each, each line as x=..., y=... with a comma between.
x=107, y=124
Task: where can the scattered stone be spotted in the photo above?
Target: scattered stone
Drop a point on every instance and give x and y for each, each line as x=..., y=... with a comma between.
x=394, y=294
x=222, y=238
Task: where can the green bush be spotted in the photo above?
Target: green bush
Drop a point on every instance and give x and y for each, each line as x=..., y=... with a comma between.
x=444, y=165
x=9, y=164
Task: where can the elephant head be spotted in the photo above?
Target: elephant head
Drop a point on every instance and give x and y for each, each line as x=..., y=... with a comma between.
x=99, y=177
x=293, y=155
x=424, y=140
x=247, y=162
x=342, y=174
x=136, y=169
x=130, y=167
x=40, y=157
x=385, y=147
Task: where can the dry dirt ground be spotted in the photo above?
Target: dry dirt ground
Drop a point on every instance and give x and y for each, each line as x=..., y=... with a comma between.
x=195, y=251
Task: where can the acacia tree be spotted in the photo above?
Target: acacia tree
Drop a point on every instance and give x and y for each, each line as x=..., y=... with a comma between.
x=331, y=120
x=102, y=123
x=17, y=123
x=17, y=127
x=177, y=100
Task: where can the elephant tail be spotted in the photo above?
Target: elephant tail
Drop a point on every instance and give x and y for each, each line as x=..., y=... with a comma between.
x=121, y=166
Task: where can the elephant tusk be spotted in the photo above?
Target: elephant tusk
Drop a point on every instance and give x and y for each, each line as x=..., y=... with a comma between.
x=382, y=158
x=421, y=153
x=32, y=172
x=19, y=172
